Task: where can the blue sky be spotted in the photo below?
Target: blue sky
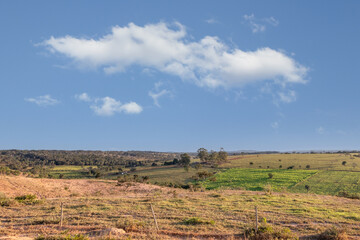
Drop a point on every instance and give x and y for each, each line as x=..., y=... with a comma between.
x=179, y=75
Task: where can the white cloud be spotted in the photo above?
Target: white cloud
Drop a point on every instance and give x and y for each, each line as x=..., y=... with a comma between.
x=259, y=25
x=287, y=97
x=272, y=21
x=108, y=106
x=158, y=92
x=156, y=96
x=43, y=101
x=83, y=97
x=131, y=108
x=207, y=63
x=211, y=21
x=320, y=130
x=255, y=26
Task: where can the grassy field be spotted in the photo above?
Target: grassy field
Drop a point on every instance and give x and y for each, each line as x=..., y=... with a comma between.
x=167, y=174
x=70, y=171
x=319, y=181
x=331, y=182
x=333, y=176
x=299, y=161
x=258, y=179
x=224, y=213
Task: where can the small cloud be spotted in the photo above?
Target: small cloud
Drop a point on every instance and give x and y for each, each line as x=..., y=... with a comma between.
x=157, y=93
x=275, y=125
x=255, y=26
x=83, y=97
x=320, y=130
x=43, y=101
x=272, y=21
x=287, y=97
x=156, y=96
x=108, y=106
x=131, y=108
x=259, y=24
x=211, y=21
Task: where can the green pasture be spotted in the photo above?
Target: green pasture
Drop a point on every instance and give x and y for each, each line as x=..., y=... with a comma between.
x=258, y=179
x=70, y=171
x=324, y=161
x=331, y=182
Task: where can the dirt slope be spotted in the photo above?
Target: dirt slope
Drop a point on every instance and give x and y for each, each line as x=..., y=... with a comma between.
x=56, y=188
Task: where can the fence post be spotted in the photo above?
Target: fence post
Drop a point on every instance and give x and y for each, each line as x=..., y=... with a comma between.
x=256, y=218
x=62, y=215
x=153, y=213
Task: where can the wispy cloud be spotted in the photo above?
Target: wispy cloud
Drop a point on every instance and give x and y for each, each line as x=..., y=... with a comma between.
x=43, y=101
x=156, y=96
x=211, y=21
x=287, y=97
x=157, y=92
x=207, y=63
x=259, y=24
x=275, y=125
x=108, y=106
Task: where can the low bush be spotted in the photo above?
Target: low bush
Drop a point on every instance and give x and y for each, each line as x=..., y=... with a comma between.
x=348, y=195
x=130, y=224
x=334, y=233
x=5, y=201
x=267, y=232
x=197, y=221
x=28, y=199
x=67, y=237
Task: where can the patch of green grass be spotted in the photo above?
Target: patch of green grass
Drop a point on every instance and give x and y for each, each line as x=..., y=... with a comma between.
x=70, y=172
x=68, y=237
x=258, y=179
x=325, y=161
x=331, y=182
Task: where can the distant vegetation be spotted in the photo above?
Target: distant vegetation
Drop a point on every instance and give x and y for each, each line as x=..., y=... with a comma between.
x=20, y=159
x=322, y=173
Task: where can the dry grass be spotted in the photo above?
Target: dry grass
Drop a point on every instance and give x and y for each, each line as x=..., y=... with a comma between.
x=101, y=205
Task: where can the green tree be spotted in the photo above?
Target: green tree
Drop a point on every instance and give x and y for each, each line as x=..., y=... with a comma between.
x=213, y=156
x=203, y=154
x=185, y=159
x=222, y=156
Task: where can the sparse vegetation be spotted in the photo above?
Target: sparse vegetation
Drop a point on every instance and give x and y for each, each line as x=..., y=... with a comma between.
x=61, y=237
x=197, y=221
x=130, y=224
x=175, y=210
x=267, y=232
x=334, y=233
x=28, y=199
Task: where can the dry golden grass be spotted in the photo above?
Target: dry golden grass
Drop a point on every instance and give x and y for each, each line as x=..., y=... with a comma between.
x=93, y=207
